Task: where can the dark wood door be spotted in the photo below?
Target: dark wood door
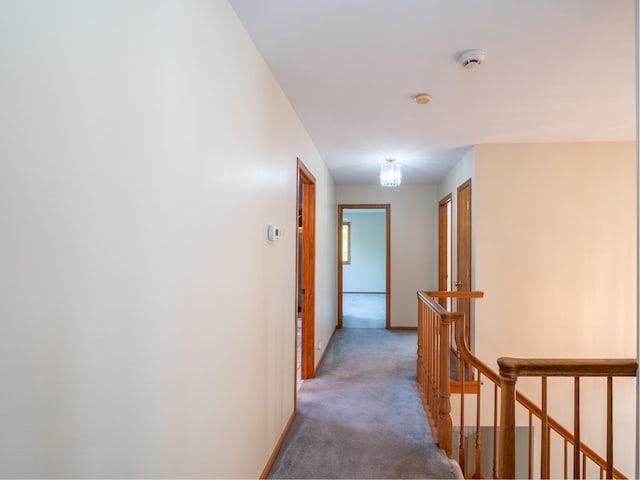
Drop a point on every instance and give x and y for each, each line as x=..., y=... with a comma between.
x=307, y=255
x=444, y=246
x=463, y=282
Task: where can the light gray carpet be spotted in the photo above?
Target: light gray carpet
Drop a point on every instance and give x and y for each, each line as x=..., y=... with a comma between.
x=361, y=417
x=361, y=310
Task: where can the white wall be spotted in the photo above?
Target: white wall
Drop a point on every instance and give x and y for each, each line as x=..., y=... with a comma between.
x=147, y=326
x=555, y=252
x=367, y=270
x=414, y=241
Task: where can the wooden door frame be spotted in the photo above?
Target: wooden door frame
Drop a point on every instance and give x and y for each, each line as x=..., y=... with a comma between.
x=307, y=183
x=459, y=233
x=443, y=246
x=365, y=206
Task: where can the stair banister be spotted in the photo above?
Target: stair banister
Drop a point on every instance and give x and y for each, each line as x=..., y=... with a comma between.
x=512, y=368
x=433, y=372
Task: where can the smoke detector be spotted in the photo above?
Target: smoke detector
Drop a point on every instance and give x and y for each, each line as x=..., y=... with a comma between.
x=471, y=59
x=422, y=98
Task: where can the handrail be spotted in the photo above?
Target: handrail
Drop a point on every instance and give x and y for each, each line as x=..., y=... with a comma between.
x=568, y=367
x=511, y=368
x=447, y=294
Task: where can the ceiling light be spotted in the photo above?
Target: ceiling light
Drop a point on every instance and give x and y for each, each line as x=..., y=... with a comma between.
x=471, y=59
x=422, y=98
x=390, y=173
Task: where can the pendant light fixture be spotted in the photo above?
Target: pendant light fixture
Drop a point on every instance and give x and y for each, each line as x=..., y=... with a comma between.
x=390, y=173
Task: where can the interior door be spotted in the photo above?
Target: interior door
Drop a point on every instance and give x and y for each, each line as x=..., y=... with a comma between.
x=463, y=282
x=444, y=249
x=306, y=208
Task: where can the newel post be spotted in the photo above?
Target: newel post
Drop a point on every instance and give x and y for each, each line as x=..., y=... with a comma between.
x=507, y=459
x=445, y=425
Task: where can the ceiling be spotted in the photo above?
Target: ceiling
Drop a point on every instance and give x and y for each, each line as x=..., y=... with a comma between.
x=555, y=71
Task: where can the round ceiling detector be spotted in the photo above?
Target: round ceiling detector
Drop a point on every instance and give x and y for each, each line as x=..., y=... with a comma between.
x=422, y=98
x=472, y=58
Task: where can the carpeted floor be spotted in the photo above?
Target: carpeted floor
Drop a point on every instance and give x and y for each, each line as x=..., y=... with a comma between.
x=364, y=310
x=361, y=417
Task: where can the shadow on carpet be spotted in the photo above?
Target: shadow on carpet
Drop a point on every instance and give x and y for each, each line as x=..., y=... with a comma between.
x=361, y=417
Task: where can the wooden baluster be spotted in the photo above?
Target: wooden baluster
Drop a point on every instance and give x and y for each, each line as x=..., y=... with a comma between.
x=478, y=458
x=507, y=467
x=436, y=368
x=429, y=363
x=576, y=427
x=609, y=427
x=425, y=357
x=495, y=431
x=584, y=466
x=531, y=444
x=425, y=362
x=566, y=459
x=433, y=401
x=425, y=346
x=461, y=446
x=549, y=449
x=544, y=448
x=418, y=362
x=420, y=340
x=461, y=378
x=444, y=418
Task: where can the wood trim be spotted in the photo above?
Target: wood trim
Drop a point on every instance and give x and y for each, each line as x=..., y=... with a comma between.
x=464, y=274
x=388, y=208
x=364, y=206
x=303, y=171
x=443, y=245
x=470, y=386
x=567, y=367
x=276, y=449
x=403, y=328
x=306, y=182
x=473, y=294
x=339, y=266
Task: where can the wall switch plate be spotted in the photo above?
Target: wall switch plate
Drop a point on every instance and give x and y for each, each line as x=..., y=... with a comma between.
x=273, y=232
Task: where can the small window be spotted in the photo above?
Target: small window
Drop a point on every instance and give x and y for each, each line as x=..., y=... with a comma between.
x=346, y=243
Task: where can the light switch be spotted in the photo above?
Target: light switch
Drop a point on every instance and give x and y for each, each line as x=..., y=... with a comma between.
x=273, y=233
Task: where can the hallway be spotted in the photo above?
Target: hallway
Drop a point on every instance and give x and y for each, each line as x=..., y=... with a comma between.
x=361, y=417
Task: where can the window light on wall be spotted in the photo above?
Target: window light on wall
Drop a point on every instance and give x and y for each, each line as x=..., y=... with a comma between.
x=390, y=173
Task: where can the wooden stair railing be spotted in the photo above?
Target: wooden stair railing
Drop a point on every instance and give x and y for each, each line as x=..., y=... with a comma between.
x=434, y=384
x=434, y=363
x=512, y=368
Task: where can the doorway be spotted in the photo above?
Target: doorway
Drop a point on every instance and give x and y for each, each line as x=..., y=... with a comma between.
x=305, y=278
x=364, y=266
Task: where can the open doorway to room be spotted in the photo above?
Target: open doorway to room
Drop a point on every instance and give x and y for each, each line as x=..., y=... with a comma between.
x=364, y=265
x=305, y=275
